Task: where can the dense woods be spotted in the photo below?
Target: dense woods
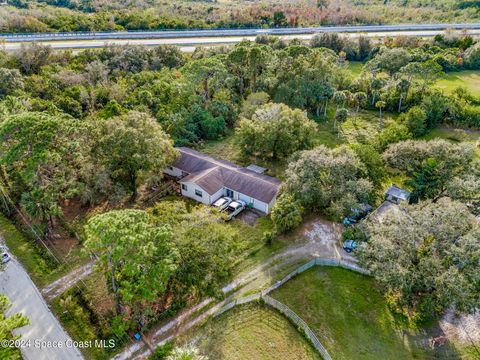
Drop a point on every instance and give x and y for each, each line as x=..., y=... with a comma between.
x=96, y=129
x=100, y=15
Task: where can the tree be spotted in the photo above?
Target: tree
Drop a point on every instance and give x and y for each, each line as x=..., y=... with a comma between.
x=391, y=134
x=426, y=258
x=279, y=19
x=275, y=131
x=416, y=121
x=380, y=105
x=253, y=102
x=340, y=117
x=402, y=87
x=207, y=72
x=360, y=98
x=472, y=56
x=32, y=57
x=323, y=4
x=372, y=161
x=328, y=180
x=207, y=247
x=390, y=60
x=7, y=325
x=131, y=145
x=431, y=165
x=364, y=48
x=339, y=98
x=41, y=154
x=286, y=214
x=10, y=81
x=137, y=257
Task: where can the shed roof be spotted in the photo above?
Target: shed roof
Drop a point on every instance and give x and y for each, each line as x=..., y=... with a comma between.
x=395, y=191
x=212, y=174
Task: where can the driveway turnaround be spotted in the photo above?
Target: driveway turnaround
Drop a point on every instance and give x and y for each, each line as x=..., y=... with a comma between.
x=43, y=338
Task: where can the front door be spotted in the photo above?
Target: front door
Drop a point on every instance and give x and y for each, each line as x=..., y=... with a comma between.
x=229, y=193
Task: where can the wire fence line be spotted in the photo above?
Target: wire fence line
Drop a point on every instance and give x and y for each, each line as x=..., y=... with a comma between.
x=298, y=321
x=284, y=309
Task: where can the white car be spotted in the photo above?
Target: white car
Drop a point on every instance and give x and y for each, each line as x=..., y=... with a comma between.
x=235, y=208
x=222, y=203
x=4, y=255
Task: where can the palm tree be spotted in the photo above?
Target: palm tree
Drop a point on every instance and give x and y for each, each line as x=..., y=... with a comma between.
x=402, y=87
x=380, y=105
x=359, y=98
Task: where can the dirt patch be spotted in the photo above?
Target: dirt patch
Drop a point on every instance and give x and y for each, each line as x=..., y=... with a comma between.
x=250, y=216
x=462, y=329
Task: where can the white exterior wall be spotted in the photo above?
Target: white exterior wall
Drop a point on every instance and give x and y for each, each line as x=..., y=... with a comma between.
x=190, y=193
x=208, y=199
x=217, y=195
x=173, y=171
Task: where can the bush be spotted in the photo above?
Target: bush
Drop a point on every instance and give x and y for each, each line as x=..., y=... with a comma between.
x=415, y=120
x=472, y=57
x=286, y=214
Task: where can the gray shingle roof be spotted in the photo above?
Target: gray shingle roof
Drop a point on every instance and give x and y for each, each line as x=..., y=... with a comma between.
x=398, y=193
x=212, y=174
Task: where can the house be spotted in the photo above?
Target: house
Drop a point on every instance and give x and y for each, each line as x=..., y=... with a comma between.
x=206, y=179
x=396, y=195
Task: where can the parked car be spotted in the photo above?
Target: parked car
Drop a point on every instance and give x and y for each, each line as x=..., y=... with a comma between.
x=235, y=208
x=222, y=203
x=5, y=256
x=349, y=245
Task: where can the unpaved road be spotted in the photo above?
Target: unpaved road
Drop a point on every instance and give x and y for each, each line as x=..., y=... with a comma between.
x=44, y=326
x=322, y=241
x=61, y=285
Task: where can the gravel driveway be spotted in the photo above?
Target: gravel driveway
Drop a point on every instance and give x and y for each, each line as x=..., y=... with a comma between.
x=44, y=326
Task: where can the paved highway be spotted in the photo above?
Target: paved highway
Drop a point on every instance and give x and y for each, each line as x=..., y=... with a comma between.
x=189, y=44
x=168, y=34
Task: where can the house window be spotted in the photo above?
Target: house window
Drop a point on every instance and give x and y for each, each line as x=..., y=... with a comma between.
x=198, y=193
x=184, y=187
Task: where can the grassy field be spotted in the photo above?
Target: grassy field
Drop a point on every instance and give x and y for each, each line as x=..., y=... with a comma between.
x=253, y=331
x=350, y=316
x=467, y=79
x=355, y=67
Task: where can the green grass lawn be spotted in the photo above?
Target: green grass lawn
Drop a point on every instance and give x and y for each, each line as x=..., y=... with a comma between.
x=349, y=315
x=253, y=331
x=469, y=79
x=355, y=67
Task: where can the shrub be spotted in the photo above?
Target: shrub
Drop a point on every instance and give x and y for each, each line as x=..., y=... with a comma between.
x=286, y=214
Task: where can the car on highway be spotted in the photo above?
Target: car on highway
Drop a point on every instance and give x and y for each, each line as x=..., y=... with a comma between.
x=235, y=208
x=222, y=203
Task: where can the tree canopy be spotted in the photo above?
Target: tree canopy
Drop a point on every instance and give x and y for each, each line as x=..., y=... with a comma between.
x=275, y=131
x=331, y=180
x=426, y=258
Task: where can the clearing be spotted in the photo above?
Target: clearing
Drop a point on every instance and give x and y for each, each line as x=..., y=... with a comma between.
x=253, y=331
x=469, y=79
x=350, y=317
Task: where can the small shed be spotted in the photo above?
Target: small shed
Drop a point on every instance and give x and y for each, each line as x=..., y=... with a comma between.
x=397, y=195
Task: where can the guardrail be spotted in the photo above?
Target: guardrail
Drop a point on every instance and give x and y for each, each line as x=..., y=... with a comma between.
x=158, y=34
